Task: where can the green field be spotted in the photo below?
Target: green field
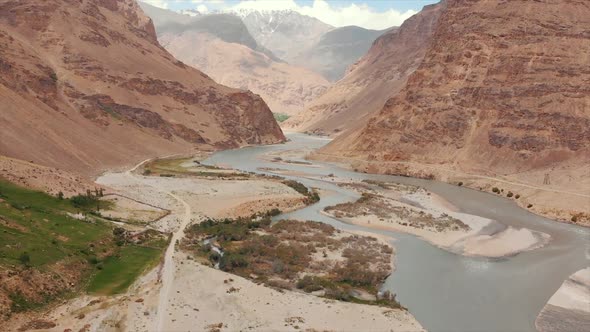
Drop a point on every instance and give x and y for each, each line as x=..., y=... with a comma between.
x=119, y=272
x=35, y=223
x=36, y=232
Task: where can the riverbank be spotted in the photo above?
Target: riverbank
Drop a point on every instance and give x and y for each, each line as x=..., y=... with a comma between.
x=183, y=294
x=558, y=194
x=416, y=211
x=568, y=310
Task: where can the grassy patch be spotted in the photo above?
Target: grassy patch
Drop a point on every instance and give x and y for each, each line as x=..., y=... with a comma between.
x=120, y=271
x=40, y=243
x=35, y=223
x=280, y=117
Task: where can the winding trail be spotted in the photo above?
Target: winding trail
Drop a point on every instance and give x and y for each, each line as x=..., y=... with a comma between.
x=168, y=269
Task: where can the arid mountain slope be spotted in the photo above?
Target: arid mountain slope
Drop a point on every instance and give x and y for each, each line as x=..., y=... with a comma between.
x=221, y=46
x=85, y=86
x=285, y=88
x=376, y=77
x=503, y=90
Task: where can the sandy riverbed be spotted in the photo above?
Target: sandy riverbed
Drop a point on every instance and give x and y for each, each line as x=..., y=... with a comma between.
x=485, y=237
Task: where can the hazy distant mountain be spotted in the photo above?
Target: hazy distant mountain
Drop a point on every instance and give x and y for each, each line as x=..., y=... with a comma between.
x=221, y=46
x=337, y=50
x=306, y=41
x=284, y=32
x=227, y=27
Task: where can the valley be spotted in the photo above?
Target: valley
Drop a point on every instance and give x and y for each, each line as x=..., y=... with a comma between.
x=291, y=166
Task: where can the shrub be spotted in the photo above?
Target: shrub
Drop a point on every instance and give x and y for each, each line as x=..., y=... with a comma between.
x=84, y=201
x=460, y=183
x=297, y=186
x=147, y=172
x=231, y=261
x=60, y=195
x=25, y=259
x=278, y=266
x=496, y=190
x=214, y=256
x=575, y=218
x=517, y=196
x=510, y=194
x=309, y=284
x=53, y=77
x=529, y=206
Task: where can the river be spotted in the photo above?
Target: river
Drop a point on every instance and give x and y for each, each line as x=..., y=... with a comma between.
x=446, y=291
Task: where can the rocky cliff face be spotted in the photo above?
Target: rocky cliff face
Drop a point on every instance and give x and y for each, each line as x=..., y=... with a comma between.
x=86, y=86
x=503, y=88
x=377, y=76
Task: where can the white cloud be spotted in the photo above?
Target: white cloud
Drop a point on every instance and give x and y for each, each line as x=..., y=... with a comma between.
x=157, y=3
x=202, y=9
x=354, y=14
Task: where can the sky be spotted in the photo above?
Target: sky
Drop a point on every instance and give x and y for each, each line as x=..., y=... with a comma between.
x=370, y=14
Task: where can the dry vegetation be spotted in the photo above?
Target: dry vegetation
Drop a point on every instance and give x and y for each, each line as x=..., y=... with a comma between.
x=386, y=208
x=305, y=256
x=189, y=166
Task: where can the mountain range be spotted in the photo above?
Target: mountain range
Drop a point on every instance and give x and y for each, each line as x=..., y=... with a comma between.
x=221, y=46
x=373, y=79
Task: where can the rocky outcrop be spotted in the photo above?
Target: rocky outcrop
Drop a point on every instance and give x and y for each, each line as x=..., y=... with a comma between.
x=85, y=86
x=377, y=76
x=503, y=87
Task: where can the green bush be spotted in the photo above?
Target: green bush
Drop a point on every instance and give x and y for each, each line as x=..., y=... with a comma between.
x=297, y=186
x=84, y=201
x=25, y=259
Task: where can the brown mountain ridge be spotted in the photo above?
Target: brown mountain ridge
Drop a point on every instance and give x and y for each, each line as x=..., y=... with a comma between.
x=85, y=86
x=502, y=92
x=377, y=76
